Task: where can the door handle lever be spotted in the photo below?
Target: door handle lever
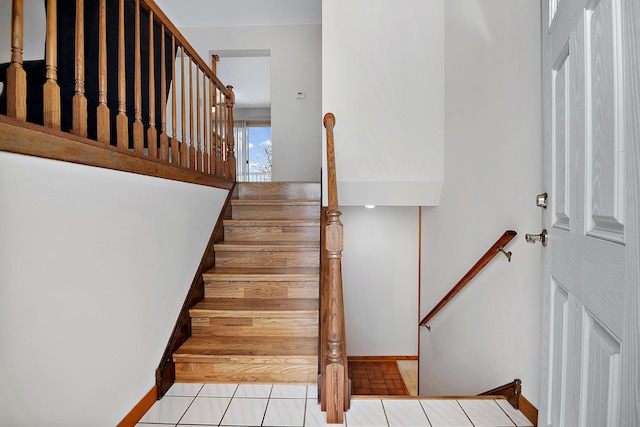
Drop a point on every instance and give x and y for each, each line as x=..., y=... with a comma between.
x=542, y=237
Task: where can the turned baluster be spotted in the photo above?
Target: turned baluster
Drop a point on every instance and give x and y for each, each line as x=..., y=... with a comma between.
x=102, y=112
x=198, y=153
x=152, y=133
x=164, y=139
x=219, y=154
x=222, y=125
x=79, y=103
x=231, y=157
x=183, y=144
x=192, y=149
x=206, y=116
x=138, y=127
x=212, y=124
x=16, y=75
x=122, y=122
x=51, y=90
x=173, y=141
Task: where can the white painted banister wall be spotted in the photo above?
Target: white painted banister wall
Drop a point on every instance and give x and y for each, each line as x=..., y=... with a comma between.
x=94, y=268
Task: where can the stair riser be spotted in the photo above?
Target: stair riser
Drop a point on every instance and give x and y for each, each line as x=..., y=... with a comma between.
x=271, y=234
x=280, y=190
x=281, y=212
x=246, y=373
x=257, y=326
x=267, y=259
x=261, y=290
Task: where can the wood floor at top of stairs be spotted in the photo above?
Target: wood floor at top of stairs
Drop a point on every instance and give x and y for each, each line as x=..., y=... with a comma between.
x=279, y=190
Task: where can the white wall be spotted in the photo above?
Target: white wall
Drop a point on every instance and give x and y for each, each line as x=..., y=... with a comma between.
x=295, y=67
x=34, y=30
x=383, y=78
x=94, y=268
x=489, y=334
x=380, y=280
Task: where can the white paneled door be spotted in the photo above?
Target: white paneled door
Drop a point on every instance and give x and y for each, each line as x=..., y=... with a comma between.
x=591, y=98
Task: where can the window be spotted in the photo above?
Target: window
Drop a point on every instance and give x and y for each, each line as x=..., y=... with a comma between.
x=253, y=147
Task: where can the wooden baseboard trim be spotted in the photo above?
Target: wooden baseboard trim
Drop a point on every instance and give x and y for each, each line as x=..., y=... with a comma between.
x=379, y=358
x=138, y=411
x=529, y=411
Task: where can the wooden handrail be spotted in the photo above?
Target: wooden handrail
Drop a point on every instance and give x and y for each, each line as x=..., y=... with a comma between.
x=110, y=84
x=477, y=267
x=511, y=391
x=332, y=185
x=333, y=377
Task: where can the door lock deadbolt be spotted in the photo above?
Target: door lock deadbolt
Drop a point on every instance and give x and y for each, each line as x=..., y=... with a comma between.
x=542, y=237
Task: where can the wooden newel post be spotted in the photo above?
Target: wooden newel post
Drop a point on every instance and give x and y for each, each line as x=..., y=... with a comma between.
x=231, y=156
x=336, y=376
x=214, y=64
x=16, y=76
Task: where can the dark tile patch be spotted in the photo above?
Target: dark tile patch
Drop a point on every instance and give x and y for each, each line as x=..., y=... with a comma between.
x=376, y=378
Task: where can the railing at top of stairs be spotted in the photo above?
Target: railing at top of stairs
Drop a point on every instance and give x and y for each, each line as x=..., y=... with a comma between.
x=143, y=90
x=333, y=379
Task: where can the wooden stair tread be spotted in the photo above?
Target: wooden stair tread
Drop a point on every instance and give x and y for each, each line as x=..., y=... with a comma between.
x=289, y=305
x=262, y=273
x=206, y=347
x=271, y=223
x=241, y=246
x=274, y=202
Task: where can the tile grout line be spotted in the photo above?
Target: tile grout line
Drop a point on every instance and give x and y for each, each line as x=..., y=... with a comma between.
x=465, y=413
x=192, y=400
x=306, y=401
x=425, y=413
x=266, y=408
x=384, y=411
x=505, y=412
x=229, y=404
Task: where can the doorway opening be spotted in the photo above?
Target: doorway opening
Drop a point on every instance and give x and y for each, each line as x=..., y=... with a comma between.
x=249, y=72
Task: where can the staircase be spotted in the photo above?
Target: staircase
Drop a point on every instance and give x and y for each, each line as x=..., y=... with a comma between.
x=258, y=321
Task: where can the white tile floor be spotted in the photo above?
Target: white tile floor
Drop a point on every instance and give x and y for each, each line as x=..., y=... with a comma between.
x=282, y=405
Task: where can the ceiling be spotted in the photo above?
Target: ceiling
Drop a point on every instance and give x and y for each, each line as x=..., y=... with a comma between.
x=213, y=13
x=248, y=73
